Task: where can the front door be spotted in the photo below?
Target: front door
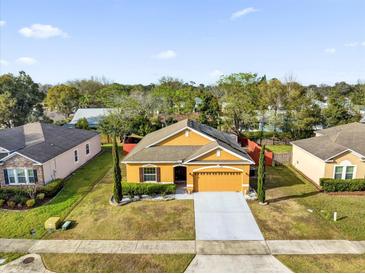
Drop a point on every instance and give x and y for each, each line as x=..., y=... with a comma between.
x=180, y=174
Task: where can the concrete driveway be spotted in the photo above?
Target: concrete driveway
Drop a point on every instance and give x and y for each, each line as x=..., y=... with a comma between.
x=236, y=264
x=224, y=216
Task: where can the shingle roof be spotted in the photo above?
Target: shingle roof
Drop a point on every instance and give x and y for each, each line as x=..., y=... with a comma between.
x=163, y=153
x=220, y=139
x=42, y=142
x=334, y=140
x=92, y=115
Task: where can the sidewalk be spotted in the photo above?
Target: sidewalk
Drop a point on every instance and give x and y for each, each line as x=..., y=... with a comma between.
x=273, y=247
x=97, y=246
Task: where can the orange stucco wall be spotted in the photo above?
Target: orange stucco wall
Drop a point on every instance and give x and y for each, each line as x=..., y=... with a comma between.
x=180, y=139
x=166, y=172
x=354, y=159
x=192, y=138
x=212, y=156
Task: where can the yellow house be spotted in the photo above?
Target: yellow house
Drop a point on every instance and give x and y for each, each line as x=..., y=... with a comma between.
x=336, y=152
x=191, y=154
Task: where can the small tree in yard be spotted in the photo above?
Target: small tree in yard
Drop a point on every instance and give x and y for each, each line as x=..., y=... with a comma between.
x=82, y=124
x=118, y=124
x=261, y=177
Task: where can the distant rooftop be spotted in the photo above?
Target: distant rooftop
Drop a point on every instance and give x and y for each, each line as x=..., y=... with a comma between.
x=92, y=115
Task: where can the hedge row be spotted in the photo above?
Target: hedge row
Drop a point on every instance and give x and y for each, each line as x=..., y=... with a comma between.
x=340, y=185
x=20, y=195
x=139, y=189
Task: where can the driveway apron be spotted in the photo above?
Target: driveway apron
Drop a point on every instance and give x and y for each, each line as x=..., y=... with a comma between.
x=224, y=216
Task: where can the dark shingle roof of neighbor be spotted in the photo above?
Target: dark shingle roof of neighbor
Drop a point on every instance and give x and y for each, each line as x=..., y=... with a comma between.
x=42, y=142
x=182, y=153
x=334, y=140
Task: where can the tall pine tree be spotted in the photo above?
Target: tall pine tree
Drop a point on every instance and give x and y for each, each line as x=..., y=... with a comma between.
x=117, y=193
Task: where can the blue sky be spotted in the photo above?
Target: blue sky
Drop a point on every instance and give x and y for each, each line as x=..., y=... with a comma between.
x=315, y=41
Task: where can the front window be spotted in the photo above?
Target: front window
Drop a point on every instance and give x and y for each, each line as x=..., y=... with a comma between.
x=338, y=172
x=344, y=172
x=349, y=172
x=21, y=176
x=149, y=174
x=31, y=177
x=11, y=176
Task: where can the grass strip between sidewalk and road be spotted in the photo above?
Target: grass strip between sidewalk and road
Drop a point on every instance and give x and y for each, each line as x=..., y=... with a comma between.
x=324, y=263
x=131, y=263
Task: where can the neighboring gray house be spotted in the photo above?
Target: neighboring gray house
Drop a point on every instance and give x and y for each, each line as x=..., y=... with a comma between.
x=92, y=115
x=39, y=153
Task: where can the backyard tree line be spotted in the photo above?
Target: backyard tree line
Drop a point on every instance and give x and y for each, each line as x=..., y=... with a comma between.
x=238, y=103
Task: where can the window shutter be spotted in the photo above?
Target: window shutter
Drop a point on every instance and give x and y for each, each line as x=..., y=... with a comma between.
x=141, y=174
x=158, y=174
x=6, y=176
x=35, y=175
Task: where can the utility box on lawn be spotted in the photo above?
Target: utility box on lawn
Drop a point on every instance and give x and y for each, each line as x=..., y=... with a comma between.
x=52, y=223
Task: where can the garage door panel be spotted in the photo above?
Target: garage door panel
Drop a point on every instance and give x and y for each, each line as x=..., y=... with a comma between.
x=218, y=181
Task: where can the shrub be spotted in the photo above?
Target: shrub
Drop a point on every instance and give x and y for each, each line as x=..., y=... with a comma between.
x=139, y=189
x=30, y=202
x=19, y=198
x=40, y=196
x=340, y=185
x=11, y=204
x=7, y=192
x=52, y=188
x=2, y=201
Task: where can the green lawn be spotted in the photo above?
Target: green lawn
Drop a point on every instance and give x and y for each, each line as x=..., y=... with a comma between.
x=17, y=224
x=279, y=148
x=287, y=216
x=116, y=263
x=95, y=218
x=324, y=263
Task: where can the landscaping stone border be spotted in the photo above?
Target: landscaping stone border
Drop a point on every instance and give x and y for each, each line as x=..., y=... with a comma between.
x=127, y=200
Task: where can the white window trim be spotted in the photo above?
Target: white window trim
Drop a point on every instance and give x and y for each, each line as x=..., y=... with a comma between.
x=218, y=153
x=77, y=154
x=344, y=167
x=16, y=176
x=150, y=181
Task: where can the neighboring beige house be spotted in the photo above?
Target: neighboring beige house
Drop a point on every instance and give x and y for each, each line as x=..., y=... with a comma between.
x=336, y=152
x=38, y=153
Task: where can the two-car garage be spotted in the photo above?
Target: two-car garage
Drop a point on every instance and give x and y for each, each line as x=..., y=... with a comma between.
x=222, y=180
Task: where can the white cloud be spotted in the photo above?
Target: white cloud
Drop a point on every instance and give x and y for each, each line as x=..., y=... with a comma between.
x=352, y=44
x=243, y=12
x=26, y=60
x=2, y=23
x=3, y=62
x=363, y=44
x=167, y=54
x=42, y=31
x=330, y=50
x=215, y=73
